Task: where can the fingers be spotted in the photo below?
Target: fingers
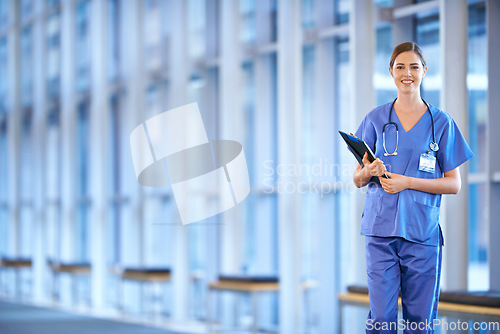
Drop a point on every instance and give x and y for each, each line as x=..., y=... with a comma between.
x=365, y=159
x=386, y=185
x=377, y=167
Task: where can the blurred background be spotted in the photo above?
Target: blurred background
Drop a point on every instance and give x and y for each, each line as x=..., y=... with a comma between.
x=281, y=77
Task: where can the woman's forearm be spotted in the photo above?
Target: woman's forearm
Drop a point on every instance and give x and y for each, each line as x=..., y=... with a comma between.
x=449, y=184
x=361, y=177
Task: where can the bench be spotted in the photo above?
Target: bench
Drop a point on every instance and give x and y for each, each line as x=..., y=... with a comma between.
x=17, y=264
x=253, y=285
x=143, y=275
x=74, y=269
x=471, y=305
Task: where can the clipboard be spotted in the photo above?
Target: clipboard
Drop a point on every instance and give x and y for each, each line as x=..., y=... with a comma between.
x=358, y=148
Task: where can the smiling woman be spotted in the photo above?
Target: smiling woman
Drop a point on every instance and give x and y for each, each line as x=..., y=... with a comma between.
x=403, y=236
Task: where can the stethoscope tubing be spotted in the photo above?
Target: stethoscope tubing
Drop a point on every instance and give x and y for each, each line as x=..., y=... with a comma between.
x=433, y=145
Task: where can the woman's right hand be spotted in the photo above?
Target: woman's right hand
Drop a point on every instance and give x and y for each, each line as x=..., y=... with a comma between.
x=375, y=168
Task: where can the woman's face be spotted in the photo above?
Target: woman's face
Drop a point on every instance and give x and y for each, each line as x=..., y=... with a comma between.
x=408, y=72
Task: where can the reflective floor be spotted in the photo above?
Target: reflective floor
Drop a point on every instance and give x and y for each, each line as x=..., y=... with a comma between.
x=27, y=319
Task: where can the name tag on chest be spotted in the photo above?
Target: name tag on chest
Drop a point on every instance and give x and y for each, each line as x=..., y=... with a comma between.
x=427, y=163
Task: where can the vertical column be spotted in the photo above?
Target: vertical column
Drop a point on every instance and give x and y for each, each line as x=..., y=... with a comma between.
x=362, y=55
x=289, y=153
x=230, y=107
x=211, y=102
x=13, y=135
x=38, y=145
x=263, y=113
x=493, y=169
x=230, y=124
x=453, y=41
x=180, y=75
x=132, y=72
x=67, y=130
x=403, y=27
x=99, y=151
x=263, y=22
x=211, y=38
x=361, y=60
x=325, y=118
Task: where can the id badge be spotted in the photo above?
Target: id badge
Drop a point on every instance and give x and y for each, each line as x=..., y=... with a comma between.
x=427, y=163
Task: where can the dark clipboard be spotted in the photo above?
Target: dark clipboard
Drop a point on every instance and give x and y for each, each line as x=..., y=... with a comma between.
x=358, y=148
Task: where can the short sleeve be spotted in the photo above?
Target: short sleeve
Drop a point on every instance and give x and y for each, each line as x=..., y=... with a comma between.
x=453, y=149
x=367, y=132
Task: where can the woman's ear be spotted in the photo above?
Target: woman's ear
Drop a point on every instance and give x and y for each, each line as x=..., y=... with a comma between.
x=390, y=71
x=425, y=71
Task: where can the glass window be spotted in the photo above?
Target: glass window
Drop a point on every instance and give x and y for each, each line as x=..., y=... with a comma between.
x=344, y=121
x=3, y=78
x=308, y=13
x=274, y=21
x=3, y=158
x=26, y=9
x=153, y=34
x=478, y=273
x=26, y=66
x=156, y=98
x=477, y=84
x=4, y=229
x=53, y=184
x=197, y=28
x=114, y=181
x=53, y=55
x=342, y=8
x=82, y=165
x=53, y=3
x=4, y=14
x=212, y=28
x=385, y=88
x=247, y=29
x=113, y=39
x=82, y=45
x=259, y=239
x=310, y=199
x=26, y=207
x=4, y=190
x=427, y=37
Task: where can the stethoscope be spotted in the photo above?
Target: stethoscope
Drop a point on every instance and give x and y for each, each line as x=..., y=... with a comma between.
x=433, y=145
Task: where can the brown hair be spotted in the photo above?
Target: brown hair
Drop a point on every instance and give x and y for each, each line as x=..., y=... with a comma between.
x=404, y=47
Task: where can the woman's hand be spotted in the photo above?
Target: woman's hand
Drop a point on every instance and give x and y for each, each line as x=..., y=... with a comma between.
x=395, y=183
x=375, y=168
x=363, y=175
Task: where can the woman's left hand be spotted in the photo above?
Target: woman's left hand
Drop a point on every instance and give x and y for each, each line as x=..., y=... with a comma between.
x=395, y=183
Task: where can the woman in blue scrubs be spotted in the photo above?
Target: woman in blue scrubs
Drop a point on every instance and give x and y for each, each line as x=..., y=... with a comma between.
x=420, y=149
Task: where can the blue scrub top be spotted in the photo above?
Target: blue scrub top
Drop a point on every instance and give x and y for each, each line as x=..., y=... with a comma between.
x=410, y=214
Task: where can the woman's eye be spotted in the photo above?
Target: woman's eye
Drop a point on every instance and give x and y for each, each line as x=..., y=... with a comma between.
x=415, y=67
x=399, y=67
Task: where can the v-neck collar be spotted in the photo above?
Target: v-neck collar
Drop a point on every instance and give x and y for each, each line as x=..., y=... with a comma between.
x=414, y=125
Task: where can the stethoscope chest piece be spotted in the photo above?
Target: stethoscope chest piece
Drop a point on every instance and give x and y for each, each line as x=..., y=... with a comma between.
x=434, y=146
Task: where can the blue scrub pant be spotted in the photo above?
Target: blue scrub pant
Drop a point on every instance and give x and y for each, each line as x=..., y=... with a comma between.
x=396, y=265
